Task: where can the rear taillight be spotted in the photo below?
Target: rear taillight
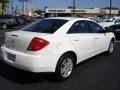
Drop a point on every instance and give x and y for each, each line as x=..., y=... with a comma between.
x=37, y=44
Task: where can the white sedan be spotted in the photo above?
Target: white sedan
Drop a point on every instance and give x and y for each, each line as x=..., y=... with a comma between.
x=56, y=45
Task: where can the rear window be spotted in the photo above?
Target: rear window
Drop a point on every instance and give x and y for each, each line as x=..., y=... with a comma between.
x=45, y=26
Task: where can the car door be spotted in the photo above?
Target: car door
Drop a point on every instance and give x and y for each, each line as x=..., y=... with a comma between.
x=99, y=36
x=81, y=39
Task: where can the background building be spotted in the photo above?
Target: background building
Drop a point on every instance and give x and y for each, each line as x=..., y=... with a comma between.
x=0, y=7
x=30, y=10
x=95, y=12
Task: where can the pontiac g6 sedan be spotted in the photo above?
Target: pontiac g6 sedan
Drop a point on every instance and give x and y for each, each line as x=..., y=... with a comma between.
x=56, y=45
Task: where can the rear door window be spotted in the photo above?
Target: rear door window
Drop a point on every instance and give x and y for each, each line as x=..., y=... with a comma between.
x=79, y=27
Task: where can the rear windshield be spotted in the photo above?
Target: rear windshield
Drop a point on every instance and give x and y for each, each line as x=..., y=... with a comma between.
x=45, y=26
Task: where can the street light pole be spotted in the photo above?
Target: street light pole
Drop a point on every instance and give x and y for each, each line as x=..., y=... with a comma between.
x=74, y=7
x=23, y=7
x=12, y=7
x=110, y=8
x=30, y=1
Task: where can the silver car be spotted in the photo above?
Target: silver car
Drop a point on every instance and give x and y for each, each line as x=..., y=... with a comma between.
x=6, y=21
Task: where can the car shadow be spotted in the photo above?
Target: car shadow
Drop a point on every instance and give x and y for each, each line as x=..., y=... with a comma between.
x=24, y=77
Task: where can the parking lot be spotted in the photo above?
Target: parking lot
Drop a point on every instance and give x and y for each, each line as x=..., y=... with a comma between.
x=98, y=73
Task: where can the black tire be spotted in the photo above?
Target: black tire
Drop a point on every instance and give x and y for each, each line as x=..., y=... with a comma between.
x=4, y=26
x=111, y=47
x=61, y=69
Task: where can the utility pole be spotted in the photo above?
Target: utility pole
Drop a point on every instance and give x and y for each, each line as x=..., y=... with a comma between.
x=12, y=7
x=74, y=7
x=30, y=1
x=23, y=7
x=110, y=8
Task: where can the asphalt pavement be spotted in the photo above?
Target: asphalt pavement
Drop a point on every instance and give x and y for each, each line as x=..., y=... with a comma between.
x=101, y=72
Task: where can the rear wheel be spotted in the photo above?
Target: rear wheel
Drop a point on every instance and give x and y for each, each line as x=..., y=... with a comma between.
x=4, y=26
x=65, y=67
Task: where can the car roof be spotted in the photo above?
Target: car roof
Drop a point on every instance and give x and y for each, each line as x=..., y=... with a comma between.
x=68, y=18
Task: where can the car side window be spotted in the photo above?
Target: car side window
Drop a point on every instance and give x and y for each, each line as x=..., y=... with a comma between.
x=78, y=27
x=95, y=28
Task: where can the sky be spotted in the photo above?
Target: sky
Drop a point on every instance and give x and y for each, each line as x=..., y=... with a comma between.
x=40, y=4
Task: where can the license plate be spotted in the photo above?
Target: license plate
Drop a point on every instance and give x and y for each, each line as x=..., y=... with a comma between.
x=11, y=57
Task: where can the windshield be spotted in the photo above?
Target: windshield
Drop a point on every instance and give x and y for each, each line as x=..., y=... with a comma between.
x=45, y=26
x=109, y=20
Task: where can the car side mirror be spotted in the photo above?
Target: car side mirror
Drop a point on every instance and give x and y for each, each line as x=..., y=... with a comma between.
x=107, y=29
x=116, y=22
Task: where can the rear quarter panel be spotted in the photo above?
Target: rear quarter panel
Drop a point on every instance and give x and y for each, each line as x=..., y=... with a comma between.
x=59, y=45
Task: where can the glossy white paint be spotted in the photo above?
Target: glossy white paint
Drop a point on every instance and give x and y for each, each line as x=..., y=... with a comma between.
x=84, y=45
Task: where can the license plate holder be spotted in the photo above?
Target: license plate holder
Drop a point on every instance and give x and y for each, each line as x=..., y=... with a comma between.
x=11, y=57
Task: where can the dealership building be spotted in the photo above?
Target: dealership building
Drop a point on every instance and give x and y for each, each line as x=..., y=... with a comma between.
x=95, y=12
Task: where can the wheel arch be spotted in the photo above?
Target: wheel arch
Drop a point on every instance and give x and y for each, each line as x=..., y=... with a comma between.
x=69, y=52
x=113, y=39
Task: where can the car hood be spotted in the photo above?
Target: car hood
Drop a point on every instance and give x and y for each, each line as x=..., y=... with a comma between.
x=106, y=24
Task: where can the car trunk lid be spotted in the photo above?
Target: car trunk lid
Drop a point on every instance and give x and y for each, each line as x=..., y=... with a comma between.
x=20, y=40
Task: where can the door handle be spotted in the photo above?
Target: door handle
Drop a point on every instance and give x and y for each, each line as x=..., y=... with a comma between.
x=76, y=40
x=97, y=38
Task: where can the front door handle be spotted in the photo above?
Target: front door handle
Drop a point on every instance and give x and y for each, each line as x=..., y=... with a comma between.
x=97, y=38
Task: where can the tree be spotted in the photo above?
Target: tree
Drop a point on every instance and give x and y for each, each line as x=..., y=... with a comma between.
x=114, y=8
x=38, y=11
x=70, y=7
x=4, y=4
x=4, y=1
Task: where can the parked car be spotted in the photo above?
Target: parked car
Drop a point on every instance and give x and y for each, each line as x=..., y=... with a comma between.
x=6, y=21
x=56, y=45
x=116, y=30
x=110, y=21
x=19, y=20
x=26, y=18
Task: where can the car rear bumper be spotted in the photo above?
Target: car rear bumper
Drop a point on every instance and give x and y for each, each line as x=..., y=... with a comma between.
x=31, y=63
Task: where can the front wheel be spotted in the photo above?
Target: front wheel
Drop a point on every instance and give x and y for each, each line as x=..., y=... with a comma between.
x=65, y=67
x=4, y=26
x=110, y=48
